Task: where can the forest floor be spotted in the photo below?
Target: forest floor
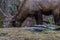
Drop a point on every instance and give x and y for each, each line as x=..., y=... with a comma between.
x=23, y=34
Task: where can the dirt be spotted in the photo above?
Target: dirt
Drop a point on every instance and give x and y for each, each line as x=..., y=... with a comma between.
x=23, y=34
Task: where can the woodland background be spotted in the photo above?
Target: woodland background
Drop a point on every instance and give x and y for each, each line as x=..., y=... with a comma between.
x=9, y=9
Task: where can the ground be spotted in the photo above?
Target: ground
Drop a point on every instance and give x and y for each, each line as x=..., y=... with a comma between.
x=23, y=34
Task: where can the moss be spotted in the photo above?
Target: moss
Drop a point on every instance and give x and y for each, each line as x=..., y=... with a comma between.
x=1, y=22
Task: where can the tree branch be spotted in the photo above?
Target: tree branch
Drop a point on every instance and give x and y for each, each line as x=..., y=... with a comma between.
x=3, y=13
x=20, y=8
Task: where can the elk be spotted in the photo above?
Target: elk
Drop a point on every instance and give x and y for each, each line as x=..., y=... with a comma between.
x=40, y=7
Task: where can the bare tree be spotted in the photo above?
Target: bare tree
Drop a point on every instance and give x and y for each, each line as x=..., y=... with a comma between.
x=7, y=15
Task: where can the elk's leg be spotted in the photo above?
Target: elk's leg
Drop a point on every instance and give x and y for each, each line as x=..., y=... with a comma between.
x=56, y=15
x=38, y=17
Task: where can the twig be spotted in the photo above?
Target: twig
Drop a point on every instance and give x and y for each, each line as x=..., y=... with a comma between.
x=20, y=8
x=3, y=13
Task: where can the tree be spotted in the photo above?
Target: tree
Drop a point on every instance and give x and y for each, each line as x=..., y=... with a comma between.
x=8, y=8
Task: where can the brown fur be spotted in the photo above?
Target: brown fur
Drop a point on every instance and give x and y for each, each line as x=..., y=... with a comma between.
x=31, y=6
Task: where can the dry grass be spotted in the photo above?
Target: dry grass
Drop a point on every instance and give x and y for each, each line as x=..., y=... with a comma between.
x=22, y=34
